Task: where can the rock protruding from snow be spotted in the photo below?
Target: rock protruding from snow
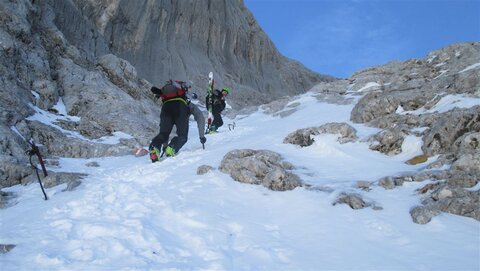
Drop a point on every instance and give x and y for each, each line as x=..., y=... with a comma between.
x=442, y=197
x=55, y=178
x=355, y=201
x=5, y=248
x=445, y=131
x=260, y=167
x=303, y=137
x=204, y=169
x=389, y=141
x=423, y=214
x=6, y=199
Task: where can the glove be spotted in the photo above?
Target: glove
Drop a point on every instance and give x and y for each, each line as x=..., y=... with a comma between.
x=203, y=140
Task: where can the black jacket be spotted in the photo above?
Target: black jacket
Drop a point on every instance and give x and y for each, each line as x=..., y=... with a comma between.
x=217, y=100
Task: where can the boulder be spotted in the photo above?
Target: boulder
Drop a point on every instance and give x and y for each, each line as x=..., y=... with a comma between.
x=389, y=141
x=5, y=248
x=303, y=137
x=445, y=131
x=423, y=214
x=355, y=201
x=260, y=167
x=204, y=169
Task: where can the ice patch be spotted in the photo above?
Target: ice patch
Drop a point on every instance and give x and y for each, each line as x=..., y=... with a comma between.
x=471, y=67
x=369, y=86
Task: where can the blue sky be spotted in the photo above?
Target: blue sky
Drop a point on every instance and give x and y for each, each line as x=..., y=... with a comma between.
x=339, y=37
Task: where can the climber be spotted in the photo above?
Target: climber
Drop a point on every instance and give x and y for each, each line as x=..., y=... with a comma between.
x=175, y=112
x=217, y=105
x=197, y=116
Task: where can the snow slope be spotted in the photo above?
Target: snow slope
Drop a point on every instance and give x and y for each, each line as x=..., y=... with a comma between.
x=130, y=214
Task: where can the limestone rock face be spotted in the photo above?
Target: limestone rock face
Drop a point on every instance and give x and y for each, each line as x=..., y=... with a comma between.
x=85, y=97
x=185, y=40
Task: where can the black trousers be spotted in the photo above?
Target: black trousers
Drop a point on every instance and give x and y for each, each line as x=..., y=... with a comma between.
x=173, y=113
x=217, y=116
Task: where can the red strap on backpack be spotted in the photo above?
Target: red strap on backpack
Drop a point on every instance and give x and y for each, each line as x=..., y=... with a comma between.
x=178, y=87
x=173, y=95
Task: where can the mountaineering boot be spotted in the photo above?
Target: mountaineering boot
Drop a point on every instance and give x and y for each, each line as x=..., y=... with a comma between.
x=154, y=154
x=169, y=151
x=212, y=130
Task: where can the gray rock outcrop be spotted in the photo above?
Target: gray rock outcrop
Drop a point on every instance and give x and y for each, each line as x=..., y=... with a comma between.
x=389, y=141
x=449, y=199
x=408, y=98
x=260, y=167
x=204, y=169
x=303, y=137
x=43, y=74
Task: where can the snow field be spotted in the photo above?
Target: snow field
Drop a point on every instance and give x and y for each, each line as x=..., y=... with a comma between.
x=130, y=214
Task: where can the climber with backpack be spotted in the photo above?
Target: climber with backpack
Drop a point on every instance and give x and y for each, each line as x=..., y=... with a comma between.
x=216, y=102
x=174, y=112
x=197, y=116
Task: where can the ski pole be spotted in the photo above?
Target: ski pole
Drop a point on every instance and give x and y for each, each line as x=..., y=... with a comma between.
x=36, y=151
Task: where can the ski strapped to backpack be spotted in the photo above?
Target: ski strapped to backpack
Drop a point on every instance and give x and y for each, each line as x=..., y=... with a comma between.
x=209, y=105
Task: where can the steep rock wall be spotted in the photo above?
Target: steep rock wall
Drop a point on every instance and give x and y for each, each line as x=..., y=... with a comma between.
x=186, y=39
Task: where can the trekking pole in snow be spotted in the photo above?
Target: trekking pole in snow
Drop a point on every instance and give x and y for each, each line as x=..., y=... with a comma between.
x=36, y=151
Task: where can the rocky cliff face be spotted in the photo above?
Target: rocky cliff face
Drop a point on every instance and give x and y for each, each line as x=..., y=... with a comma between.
x=53, y=94
x=62, y=86
x=405, y=99
x=166, y=39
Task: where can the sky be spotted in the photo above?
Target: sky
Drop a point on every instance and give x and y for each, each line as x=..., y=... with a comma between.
x=339, y=37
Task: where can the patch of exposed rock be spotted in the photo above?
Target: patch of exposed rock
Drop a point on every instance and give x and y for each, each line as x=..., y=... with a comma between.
x=355, y=201
x=56, y=178
x=260, y=167
x=303, y=137
x=204, y=169
x=450, y=192
x=5, y=248
x=6, y=199
x=389, y=141
x=441, y=197
x=445, y=131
